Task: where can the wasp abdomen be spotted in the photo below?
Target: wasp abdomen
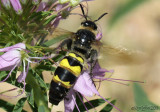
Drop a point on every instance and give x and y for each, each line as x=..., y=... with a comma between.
x=64, y=77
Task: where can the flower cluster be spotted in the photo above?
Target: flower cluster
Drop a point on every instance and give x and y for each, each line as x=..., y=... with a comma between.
x=16, y=56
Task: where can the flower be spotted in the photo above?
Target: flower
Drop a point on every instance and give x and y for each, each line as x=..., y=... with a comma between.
x=85, y=86
x=17, y=6
x=16, y=56
x=12, y=57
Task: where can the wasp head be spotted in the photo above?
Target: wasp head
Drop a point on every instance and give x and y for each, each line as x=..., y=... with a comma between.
x=89, y=24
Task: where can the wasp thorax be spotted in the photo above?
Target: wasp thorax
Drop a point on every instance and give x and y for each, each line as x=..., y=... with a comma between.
x=89, y=24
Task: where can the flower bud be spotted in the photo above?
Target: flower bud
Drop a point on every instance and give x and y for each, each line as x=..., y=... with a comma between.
x=23, y=1
x=17, y=6
x=35, y=2
x=6, y=4
x=75, y=2
x=63, y=1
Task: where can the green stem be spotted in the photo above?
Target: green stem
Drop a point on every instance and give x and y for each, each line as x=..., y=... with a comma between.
x=38, y=93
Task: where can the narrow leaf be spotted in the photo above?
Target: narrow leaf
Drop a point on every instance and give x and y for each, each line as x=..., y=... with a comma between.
x=6, y=106
x=50, y=19
x=2, y=75
x=95, y=103
x=108, y=107
x=41, y=82
x=30, y=94
x=19, y=106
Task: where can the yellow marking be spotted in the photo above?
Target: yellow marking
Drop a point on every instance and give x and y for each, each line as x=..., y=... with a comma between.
x=74, y=56
x=75, y=69
x=56, y=78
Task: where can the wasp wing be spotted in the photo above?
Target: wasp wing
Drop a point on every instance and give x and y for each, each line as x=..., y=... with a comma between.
x=110, y=55
x=57, y=33
x=55, y=37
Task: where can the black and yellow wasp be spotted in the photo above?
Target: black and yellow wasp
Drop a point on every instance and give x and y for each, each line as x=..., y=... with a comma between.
x=80, y=50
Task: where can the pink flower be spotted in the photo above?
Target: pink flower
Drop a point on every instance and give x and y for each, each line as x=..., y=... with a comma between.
x=13, y=57
x=17, y=6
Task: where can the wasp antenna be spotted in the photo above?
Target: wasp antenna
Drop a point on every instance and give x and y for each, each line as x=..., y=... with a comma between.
x=83, y=11
x=100, y=17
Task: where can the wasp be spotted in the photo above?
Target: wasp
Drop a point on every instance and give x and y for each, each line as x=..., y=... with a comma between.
x=70, y=67
x=81, y=49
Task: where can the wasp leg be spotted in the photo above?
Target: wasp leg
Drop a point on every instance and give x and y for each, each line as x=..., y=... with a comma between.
x=93, y=58
x=67, y=42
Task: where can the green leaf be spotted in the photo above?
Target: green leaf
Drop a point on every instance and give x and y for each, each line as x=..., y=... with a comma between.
x=46, y=67
x=50, y=19
x=55, y=40
x=141, y=98
x=41, y=82
x=20, y=36
x=37, y=16
x=95, y=103
x=13, y=77
x=2, y=75
x=41, y=108
x=6, y=106
x=30, y=94
x=123, y=10
x=108, y=107
x=31, y=98
x=39, y=96
x=19, y=106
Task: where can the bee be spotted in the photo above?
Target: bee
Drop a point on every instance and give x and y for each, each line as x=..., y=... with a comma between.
x=81, y=49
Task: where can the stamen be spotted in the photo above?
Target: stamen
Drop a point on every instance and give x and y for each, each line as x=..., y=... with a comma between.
x=124, y=80
x=9, y=73
x=119, y=82
x=88, y=102
x=75, y=103
x=82, y=101
x=110, y=103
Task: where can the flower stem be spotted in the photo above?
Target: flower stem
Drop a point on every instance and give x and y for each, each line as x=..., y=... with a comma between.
x=39, y=97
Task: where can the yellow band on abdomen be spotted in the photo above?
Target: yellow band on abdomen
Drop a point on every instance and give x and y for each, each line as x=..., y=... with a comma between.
x=74, y=69
x=78, y=58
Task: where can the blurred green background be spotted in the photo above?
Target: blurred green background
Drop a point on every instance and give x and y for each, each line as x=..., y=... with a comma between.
x=135, y=25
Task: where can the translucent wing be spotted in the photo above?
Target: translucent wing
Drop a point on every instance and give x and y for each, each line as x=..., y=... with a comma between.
x=58, y=32
x=109, y=55
x=54, y=38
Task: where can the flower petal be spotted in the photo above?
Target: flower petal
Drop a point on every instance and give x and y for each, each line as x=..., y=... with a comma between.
x=18, y=46
x=85, y=85
x=98, y=71
x=17, y=6
x=9, y=60
x=69, y=101
x=42, y=6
